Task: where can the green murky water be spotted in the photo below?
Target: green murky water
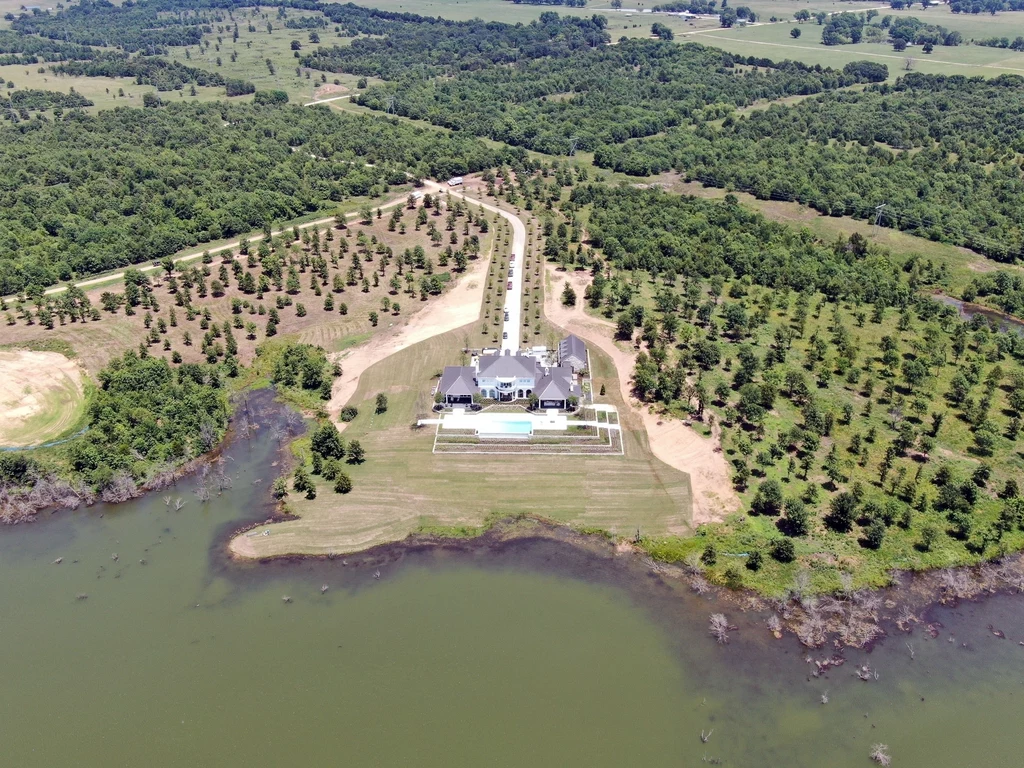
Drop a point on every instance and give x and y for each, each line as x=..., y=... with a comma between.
x=524, y=654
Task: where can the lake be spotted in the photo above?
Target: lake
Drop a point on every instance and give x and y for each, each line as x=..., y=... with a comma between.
x=523, y=653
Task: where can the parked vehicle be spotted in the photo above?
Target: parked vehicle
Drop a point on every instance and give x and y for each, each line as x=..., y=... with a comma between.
x=510, y=271
x=504, y=334
x=512, y=257
x=510, y=285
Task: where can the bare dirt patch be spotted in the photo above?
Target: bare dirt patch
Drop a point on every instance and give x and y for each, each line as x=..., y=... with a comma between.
x=41, y=396
x=670, y=440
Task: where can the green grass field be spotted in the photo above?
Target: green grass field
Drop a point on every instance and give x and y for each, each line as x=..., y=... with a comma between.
x=252, y=50
x=102, y=91
x=774, y=41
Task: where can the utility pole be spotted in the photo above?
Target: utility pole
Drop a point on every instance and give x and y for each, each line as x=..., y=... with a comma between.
x=878, y=214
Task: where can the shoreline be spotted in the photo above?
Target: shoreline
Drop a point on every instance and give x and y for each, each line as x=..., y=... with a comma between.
x=859, y=619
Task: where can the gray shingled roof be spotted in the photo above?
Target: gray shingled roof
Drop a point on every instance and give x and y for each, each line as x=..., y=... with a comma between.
x=556, y=384
x=457, y=381
x=507, y=367
x=572, y=346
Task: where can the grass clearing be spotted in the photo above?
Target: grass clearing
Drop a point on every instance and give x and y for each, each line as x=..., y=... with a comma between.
x=253, y=49
x=774, y=41
x=403, y=487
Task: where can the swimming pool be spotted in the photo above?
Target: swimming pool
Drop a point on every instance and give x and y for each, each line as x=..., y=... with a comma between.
x=503, y=424
x=508, y=427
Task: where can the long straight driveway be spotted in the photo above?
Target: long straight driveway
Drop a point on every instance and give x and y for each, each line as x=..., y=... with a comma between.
x=512, y=328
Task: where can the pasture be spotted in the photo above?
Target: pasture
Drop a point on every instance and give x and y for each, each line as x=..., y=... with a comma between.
x=774, y=41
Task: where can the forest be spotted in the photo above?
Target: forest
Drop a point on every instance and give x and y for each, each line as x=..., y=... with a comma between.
x=150, y=27
x=87, y=193
x=841, y=154
x=33, y=100
x=147, y=70
x=603, y=96
x=25, y=49
x=413, y=46
x=860, y=417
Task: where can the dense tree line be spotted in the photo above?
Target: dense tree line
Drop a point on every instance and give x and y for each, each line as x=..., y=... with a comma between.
x=685, y=235
x=88, y=193
x=602, y=96
x=964, y=186
x=33, y=100
x=24, y=49
x=425, y=47
x=844, y=28
x=147, y=70
x=566, y=3
x=985, y=6
x=688, y=6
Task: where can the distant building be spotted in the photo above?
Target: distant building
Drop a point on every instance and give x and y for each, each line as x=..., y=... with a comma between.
x=573, y=353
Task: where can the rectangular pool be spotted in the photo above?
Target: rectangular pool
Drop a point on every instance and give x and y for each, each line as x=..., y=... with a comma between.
x=509, y=427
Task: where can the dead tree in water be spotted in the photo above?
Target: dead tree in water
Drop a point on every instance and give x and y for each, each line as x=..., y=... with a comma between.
x=880, y=754
x=699, y=584
x=719, y=627
x=121, y=488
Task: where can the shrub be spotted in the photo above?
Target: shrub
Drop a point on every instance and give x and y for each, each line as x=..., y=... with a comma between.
x=348, y=413
x=783, y=550
x=271, y=97
x=330, y=469
x=710, y=555
x=343, y=483
x=874, y=534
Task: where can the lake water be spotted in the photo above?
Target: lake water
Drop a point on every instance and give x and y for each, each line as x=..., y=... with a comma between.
x=527, y=653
